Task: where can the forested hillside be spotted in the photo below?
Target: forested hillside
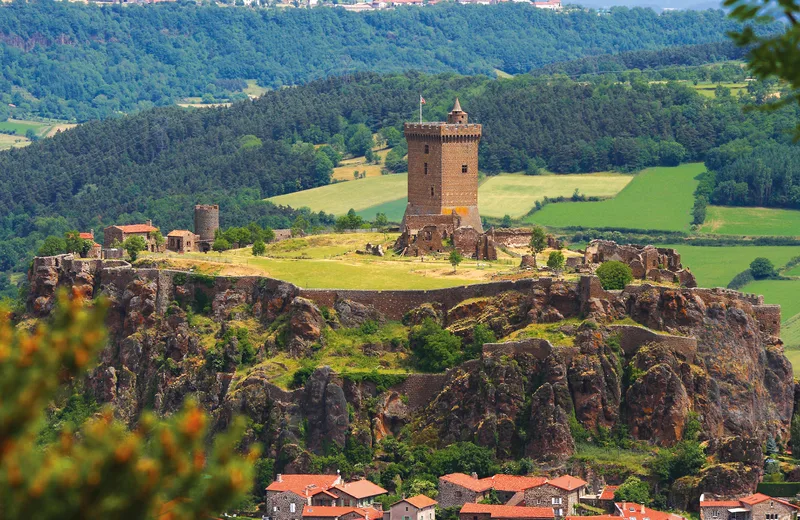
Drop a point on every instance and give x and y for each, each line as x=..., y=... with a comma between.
x=157, y=163
x=72, y=61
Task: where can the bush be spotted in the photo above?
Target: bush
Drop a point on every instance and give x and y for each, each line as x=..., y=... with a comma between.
x=259, y=248
x=435, y=349
x=556, y=260
x=633, y=490
x=614, y=275
x=762, y=268
x=300, y=378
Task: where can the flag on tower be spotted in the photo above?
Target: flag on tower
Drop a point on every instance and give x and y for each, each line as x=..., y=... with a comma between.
x=421, y=100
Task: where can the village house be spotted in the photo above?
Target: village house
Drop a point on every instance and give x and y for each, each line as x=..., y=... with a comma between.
x=147, y=231
x=753, y=507
x=633, y=511
x=457, y=489
x=96, y=249
x=418, y=507
x=311, y=512
x=182, y=241
x=287, y=496
x=562, y=494
x=360, y=493
x=472, y=511
x=606, y=499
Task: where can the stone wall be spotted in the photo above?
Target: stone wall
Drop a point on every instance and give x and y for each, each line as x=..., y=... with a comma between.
x=632, y=337
x=511, y=237
x=451, y=495
x=772, y=507
x=542, y=496
x=538, y=348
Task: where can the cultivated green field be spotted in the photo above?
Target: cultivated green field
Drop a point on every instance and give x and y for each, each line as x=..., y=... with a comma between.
x=782, y=292
x=393, y=210
x=726, y=220
x=709, y=89
x=339, y=198
x=657, y=198
x=716, y=266
x=510, y=194
x=516, y=194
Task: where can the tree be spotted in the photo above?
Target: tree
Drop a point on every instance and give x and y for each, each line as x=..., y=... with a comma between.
x=52, y=246
x=556, y=260
x=762, y=268
x=360, y=141
x=795, y=434
x=435, y=349
x=259, y=248
x=158, y=239
x=614, y=275
x=220, y=244
x=103, y=470
x=481, y=334
x=134, y=245
x=381, y=221
x=538, y=242
x=75, y=244
x=349, y=221
x=633, y=490
x=506, y=222
x=455, y=258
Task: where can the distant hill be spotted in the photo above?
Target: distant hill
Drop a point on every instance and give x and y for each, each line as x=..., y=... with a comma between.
x=82, y=62
x=655, y=4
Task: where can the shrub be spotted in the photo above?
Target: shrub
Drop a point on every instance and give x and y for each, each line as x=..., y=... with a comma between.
x=762, y=268
x=300, y=378
x=614, y=275
x=556, y=260
x=259, y=248
x=633, y=490
x=435, y=349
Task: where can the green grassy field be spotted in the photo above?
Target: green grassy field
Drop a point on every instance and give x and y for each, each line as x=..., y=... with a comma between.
x=709, y=89
x=516, y=194
x=716, y=266
x=782, y=292
x=393, y=209
x=657, y=198
x=725, y=220
x=339, y=198
x=20, y=126
x=511, y=194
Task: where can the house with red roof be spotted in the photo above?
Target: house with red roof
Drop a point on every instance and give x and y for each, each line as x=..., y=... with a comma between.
x=606, y=498
x=633, y=511
x=418, y=507
x=751, y=507
x=311, y=512
x=289, y=494
x=95, y=249
x=473, y=511
x=147, y=231
x=562, y=494
x=360, y=493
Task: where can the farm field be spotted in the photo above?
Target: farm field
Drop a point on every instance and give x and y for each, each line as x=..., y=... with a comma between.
x=709, y=89
x=344, y=172
x=726, y=220
x=782, y=292
x=21, y=127
x=716, y=266
x=657, y=198
x=516, y=194
x=339, y=198
x=393, y=210
x=511, y=194
x=13, y=141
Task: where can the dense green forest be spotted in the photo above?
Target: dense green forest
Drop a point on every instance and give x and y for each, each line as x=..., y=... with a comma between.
x=71, y=61
x=157, y=163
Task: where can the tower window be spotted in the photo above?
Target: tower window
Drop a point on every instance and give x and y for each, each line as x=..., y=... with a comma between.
x=432, y=192
x=427, y=148
x=426, y=167
x=463, y=168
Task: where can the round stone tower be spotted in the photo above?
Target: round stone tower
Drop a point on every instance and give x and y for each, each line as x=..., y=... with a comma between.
x=206, y=220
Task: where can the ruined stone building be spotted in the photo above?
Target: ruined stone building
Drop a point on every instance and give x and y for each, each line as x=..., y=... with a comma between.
x=443, y=188
x=206, y=224
x=113, y=234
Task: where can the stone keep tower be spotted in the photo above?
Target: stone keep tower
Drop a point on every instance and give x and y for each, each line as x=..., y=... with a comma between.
x=206, y=221
x=443, y=173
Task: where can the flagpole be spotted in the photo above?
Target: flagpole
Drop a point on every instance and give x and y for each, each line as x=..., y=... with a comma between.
x=420, y=109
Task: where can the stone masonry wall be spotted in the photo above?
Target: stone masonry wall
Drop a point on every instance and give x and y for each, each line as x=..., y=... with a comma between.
x=451, y=495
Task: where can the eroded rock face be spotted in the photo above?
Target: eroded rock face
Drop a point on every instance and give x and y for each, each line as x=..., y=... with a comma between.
x=354, y=314
x=306, y=324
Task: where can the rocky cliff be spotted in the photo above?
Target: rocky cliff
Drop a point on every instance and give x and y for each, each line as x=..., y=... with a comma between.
x=647, y=358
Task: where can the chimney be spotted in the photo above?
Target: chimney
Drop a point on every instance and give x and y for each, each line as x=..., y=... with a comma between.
x=642, y=508
x=92, y=232
x=279, y=478
x=149, y=222
x=474, y=475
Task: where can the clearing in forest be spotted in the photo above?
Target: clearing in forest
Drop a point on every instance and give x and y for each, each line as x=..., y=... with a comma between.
x=658, y=198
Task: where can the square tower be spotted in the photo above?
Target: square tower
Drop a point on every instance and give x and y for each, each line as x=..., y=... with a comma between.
x=443, y=173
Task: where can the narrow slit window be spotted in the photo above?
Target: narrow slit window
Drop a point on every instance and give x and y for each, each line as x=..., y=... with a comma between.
x=427, y=148
x=464, y=168
x=426, y=168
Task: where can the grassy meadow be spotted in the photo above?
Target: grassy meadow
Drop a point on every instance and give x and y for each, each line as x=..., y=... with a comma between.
x=657, y=198
x=393, y=210
x=339, y=198
x=21, y=127
x=516, y=194
x=727, y=220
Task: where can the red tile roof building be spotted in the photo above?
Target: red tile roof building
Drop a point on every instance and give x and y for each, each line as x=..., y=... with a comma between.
x=472, y=511
x=633, y=511
x=751, y=507
x=418, y=507
x=113, y=234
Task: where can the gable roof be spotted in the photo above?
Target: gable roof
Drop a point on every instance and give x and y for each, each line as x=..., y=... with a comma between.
x=760, y=497
x=137, y=228
x=420, y=501
x=180, y=233
x=466, y=481
x=303, y=484
x=720, y=503
x=502, y=512
x=567, y=482
x=608, y=493
x=514, y=483
x=87, y=236
x=337, y=511
x=633, y=511
x=361, y=489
